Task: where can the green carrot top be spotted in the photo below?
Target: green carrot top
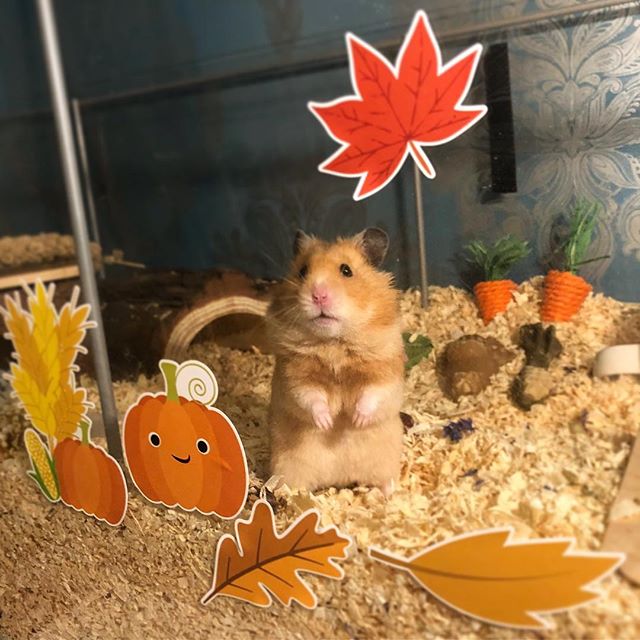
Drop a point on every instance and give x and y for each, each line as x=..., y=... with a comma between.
x=496, y=260
x=582, y=223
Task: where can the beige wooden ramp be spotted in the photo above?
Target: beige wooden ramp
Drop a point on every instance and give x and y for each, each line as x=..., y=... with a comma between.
x=623, y=531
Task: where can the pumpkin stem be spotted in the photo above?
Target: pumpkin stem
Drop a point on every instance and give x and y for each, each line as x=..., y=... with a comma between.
x=169, y=370
x=84, y=427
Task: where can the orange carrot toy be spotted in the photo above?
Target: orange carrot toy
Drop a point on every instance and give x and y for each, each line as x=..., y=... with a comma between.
x=565, y=291
x=494, y=293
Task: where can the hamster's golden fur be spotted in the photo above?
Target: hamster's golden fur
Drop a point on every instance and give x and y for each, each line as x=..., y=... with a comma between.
x=336, y=394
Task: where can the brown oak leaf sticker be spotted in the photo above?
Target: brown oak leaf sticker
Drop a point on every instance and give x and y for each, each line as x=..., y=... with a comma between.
x=258, y=562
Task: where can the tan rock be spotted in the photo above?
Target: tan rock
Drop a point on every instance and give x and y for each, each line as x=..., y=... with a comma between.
x=466, y=365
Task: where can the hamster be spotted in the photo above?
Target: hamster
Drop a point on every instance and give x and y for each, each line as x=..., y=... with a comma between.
x=338, y=382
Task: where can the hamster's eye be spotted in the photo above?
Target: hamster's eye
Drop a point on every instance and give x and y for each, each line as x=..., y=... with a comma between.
x=203, y=446
x=154, y=439
x=303, y=272
x=345, y=270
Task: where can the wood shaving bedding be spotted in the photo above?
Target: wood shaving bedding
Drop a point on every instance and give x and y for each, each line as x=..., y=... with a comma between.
x=553, y=471
x=43, y=248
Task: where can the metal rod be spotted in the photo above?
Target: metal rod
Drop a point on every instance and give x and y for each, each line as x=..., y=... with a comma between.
x=86, y=175
x=422, y=243
x=69, y=160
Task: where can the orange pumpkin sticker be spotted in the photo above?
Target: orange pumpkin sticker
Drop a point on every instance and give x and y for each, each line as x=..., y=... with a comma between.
x=182, y=452
x=65, y=468
x=90, y=480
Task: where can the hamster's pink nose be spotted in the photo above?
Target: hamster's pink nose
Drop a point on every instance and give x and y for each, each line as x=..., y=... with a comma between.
x=320, y=294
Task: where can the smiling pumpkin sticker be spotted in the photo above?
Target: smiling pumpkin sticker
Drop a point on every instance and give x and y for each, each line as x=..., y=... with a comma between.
x=182, y=452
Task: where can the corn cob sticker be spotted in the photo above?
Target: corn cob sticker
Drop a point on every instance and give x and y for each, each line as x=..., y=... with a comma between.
x=43, y=470
x=67, y=467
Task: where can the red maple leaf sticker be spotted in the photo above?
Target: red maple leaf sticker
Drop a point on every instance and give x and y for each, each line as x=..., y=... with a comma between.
x=398, y=110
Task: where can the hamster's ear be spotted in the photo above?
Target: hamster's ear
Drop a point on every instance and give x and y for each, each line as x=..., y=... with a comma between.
x=374, y=243
x=301, y=241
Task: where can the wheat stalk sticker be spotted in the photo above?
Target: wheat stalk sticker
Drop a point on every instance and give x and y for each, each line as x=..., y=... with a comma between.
x=46, y=343
x=486, y=575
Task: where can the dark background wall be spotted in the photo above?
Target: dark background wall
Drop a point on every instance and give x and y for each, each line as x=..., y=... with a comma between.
x=224, y=174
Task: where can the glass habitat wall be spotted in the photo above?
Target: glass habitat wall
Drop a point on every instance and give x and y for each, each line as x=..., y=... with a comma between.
x=202, y=152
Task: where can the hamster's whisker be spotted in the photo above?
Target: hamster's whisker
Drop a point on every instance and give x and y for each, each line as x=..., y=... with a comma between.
x=284, y=310
x=283, y=315
x=277, y=265
x=264, y=254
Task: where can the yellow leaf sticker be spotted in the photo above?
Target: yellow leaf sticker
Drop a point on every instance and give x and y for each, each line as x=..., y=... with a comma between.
x=486, y=575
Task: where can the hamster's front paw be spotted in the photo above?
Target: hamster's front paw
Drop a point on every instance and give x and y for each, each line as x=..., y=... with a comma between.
x=366, y=409
x=321, y=414
x=388, y=488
